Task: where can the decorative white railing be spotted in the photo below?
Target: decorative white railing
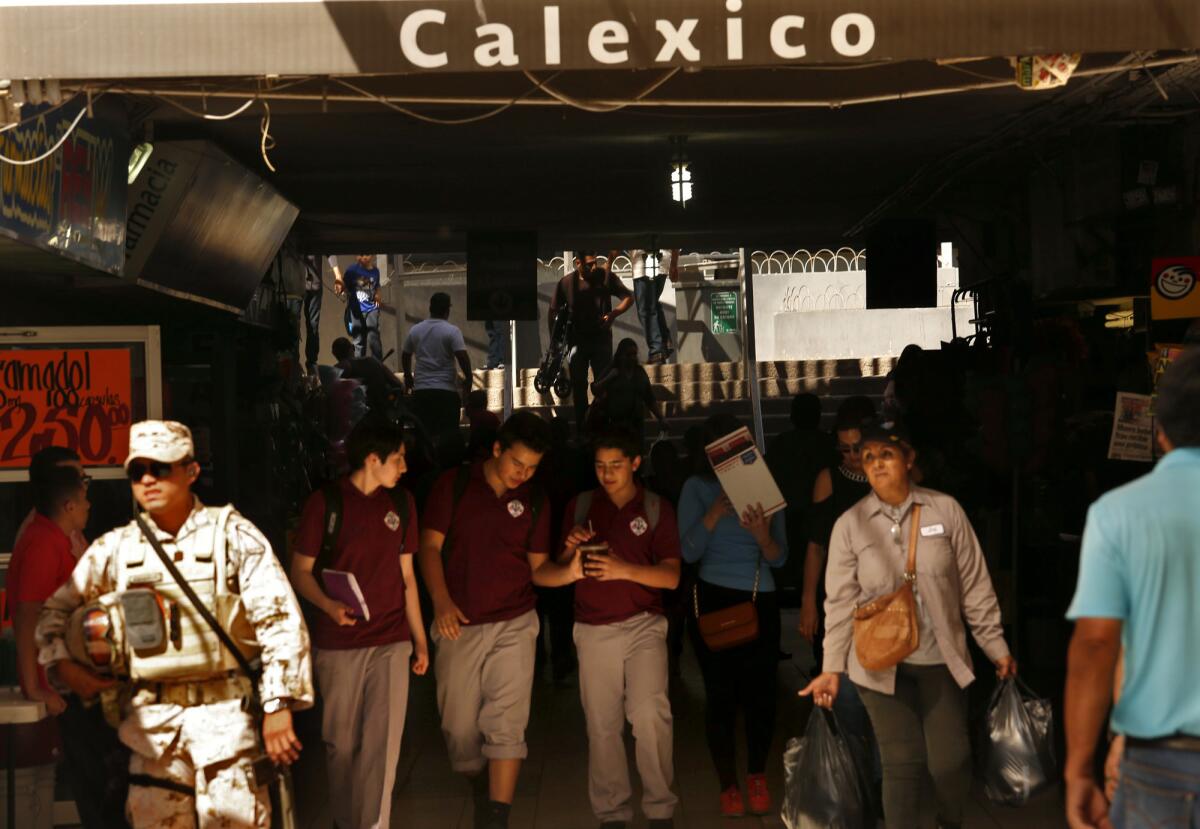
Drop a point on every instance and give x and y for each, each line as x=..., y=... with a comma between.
x=842, y=260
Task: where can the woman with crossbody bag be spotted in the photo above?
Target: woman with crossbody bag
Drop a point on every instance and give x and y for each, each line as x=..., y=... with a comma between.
x=734, y=622
x=905, y=580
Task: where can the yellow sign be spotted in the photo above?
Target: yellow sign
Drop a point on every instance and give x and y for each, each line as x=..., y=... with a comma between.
x=1173, y=290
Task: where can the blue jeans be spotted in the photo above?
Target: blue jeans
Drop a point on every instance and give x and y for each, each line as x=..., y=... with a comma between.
x=646, y=293
x=498, y=348
x=1159, y=787
x=364, y=331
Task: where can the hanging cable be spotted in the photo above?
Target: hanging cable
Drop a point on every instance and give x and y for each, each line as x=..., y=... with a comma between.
x=429, y=119
x=204, y=115
x=266, y=142
x=52, y=150
x=592, y=106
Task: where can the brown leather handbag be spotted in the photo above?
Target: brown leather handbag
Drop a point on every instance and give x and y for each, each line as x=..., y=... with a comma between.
x=730, y=626
x=885, y=628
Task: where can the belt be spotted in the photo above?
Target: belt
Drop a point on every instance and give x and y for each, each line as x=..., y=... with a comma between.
x=187, y=694
x=1175, y=742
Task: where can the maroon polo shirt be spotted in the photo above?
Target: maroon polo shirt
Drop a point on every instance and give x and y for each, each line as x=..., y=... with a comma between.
x=369, y=545
x=487, y=569
x=627, y=531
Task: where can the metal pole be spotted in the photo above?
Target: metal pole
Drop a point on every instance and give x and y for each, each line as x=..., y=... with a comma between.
x=749, y=352
x=512, y=375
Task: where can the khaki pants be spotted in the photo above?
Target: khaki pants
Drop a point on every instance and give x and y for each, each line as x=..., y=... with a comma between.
x=623, y=676
x=484, y=683
x=207, y=748
x=364, y=692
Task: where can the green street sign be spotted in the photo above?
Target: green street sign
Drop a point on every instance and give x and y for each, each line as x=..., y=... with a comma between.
x=723, y=310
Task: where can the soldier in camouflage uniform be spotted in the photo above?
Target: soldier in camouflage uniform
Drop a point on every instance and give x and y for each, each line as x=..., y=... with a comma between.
x=186, y=715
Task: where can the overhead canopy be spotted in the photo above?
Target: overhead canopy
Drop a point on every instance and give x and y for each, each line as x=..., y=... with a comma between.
x=93, y=39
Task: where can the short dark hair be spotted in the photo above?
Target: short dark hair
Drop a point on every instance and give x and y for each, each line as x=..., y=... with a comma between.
x=372, y=436
x=622, y=438
x=1177, y=405
x=527, y=429
x=439, y=304
x=48, y=459
x=342, y=348
x=56, y=486
x=581, y=254
x=853, y=411
x=806, y=411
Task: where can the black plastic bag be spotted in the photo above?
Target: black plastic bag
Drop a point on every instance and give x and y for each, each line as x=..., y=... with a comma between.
x=1019, y=750
x=822, y=788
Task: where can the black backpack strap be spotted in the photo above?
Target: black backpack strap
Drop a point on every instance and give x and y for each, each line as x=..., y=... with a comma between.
x=400, y=502
x=462, y=478
x=537, y=500
x=583, y=505
x=332, y=493
x=652, y=501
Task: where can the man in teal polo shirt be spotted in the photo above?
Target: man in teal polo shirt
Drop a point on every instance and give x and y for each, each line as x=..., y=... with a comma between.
x=1139, y=587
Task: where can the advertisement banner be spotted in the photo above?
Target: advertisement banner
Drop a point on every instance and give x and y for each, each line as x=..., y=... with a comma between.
x=1173, y=293
x=80, y=398
x=73, y=202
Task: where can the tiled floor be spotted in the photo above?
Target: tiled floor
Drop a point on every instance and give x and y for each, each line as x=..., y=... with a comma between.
x=552, y=793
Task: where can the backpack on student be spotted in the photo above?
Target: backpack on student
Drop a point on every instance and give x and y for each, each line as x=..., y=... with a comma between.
x=462, y=477
x=651, y=502
x=333, y=520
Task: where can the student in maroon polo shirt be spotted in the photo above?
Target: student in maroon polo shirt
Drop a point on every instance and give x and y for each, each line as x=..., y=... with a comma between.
x=485, y=542
x=362, y=665
x=621, y=631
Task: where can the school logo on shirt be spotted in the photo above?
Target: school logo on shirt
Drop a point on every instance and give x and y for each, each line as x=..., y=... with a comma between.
x=515, y=508
x=639, y=526
x=392, y=520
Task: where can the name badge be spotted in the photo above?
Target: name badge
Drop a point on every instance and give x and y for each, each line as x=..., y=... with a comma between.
x=933, y=530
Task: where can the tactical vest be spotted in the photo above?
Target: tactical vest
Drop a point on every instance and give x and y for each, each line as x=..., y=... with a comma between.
x=190, y=651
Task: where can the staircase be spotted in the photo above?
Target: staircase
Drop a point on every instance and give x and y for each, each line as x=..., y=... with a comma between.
x=691, y=392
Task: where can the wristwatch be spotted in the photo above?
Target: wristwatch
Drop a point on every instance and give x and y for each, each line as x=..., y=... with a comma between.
x=274, y=706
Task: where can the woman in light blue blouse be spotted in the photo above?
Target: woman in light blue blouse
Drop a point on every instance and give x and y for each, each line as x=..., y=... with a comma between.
x=734, y=556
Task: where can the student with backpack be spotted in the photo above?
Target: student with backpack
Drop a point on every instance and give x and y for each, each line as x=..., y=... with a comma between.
x=621, y=632
x=485, y=543
x=364, y=524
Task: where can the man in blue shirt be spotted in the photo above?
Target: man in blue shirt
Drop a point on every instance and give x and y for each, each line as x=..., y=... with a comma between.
x=1139, y=579
x=361, y=285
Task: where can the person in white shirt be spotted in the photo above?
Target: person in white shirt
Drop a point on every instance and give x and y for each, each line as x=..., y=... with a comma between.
x=437, y=391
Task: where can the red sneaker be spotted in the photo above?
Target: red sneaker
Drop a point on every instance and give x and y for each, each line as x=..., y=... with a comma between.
x=760, y=798
x=731, y=803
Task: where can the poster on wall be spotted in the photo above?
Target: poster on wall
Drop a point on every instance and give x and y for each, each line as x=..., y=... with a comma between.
x=1133, y=429
x=78, y=397
x=1173, y=293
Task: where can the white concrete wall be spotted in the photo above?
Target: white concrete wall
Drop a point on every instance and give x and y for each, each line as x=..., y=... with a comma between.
x=857, y=332
x=778, y=298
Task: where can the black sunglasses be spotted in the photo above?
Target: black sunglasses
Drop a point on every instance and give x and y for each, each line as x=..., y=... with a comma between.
x=157, y=469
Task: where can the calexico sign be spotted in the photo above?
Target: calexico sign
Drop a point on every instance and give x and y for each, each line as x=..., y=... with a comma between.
x=140, y=38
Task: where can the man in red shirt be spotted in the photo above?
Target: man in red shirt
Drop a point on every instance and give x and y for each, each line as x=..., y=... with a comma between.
x=484, y=544
x=43, y=558
x=362, y=661
x=39, y=466
x=621, y=632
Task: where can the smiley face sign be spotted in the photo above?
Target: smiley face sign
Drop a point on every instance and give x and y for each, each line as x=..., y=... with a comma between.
x=1173, y=291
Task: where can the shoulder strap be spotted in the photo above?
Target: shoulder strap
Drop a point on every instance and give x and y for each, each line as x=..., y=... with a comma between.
x=332, y=493
x=583, y=505
x=400, y=502
x=652, y=501
x=537, y=499
x=462, y=477
x=910, y=569
x=220, y=517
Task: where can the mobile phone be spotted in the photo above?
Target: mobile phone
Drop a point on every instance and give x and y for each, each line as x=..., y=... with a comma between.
x=265, y=771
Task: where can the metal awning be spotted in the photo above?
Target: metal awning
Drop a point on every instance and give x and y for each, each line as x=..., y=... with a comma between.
x=110, y=39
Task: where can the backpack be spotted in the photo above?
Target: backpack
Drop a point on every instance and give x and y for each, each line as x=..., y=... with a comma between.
x=462, y=477
x=333, y=520
x=651, y=502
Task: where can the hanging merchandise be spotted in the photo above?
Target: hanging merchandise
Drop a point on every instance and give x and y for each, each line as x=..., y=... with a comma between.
x=1019, y=756
x=1038, y=72
x=823, y=787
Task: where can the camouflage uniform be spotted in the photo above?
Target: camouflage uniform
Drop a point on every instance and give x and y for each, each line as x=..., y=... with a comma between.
x=196, y=736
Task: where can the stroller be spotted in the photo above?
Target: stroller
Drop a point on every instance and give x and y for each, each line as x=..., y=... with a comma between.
x=552, y=373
